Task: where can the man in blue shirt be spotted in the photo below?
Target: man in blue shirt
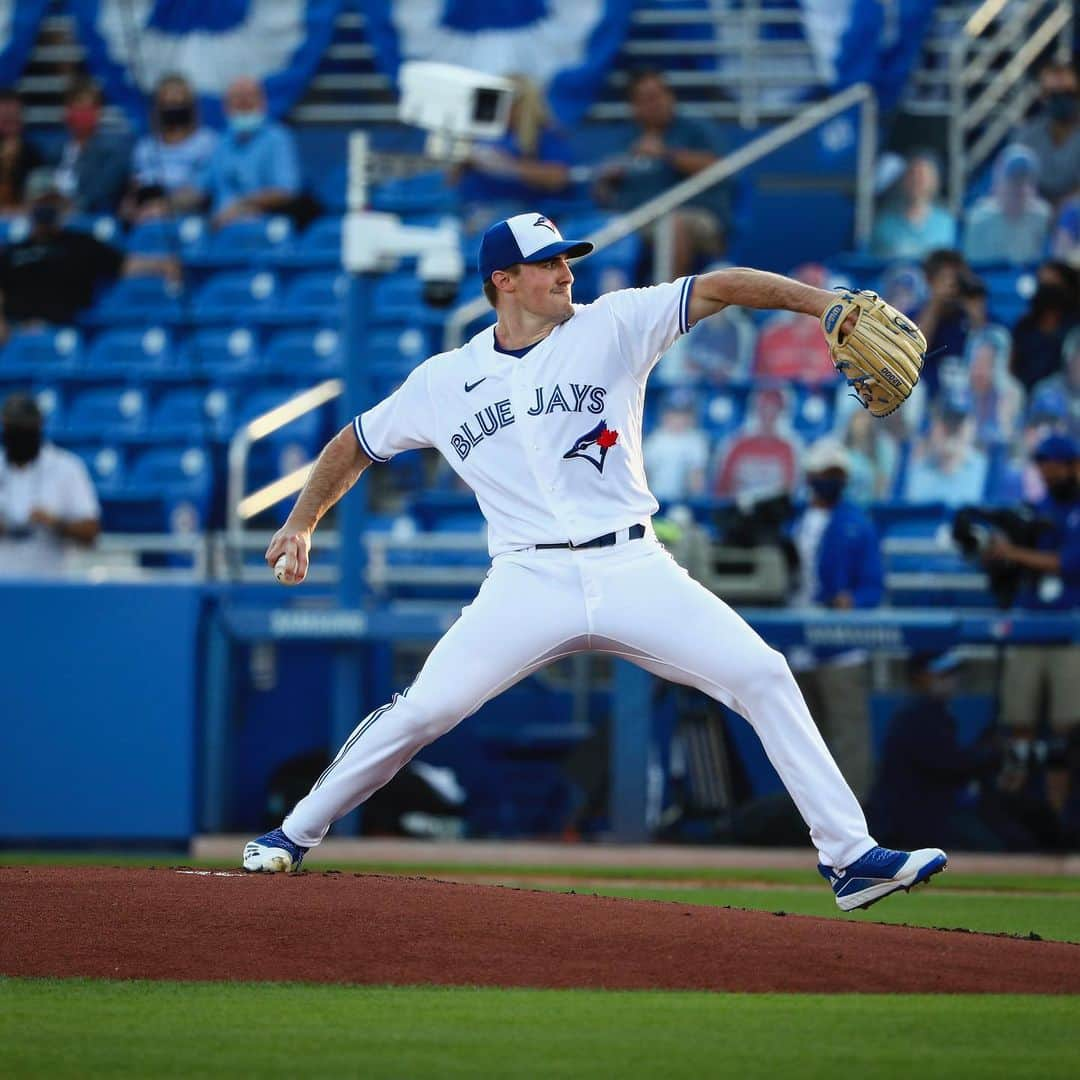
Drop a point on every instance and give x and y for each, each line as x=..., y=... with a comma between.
x=840, y=568
x=669, y=148
x=1053, y=585
x=254, y=169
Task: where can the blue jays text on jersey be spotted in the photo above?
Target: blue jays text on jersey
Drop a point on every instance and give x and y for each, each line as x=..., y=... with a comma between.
x=485, y=422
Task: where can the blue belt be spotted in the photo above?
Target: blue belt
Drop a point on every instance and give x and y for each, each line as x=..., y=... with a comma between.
x=635, y=532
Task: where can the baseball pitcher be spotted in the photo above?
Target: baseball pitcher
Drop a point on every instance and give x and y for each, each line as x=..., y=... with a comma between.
x=541, y=415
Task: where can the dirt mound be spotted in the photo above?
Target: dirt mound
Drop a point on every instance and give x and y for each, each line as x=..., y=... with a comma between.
x=353, y=928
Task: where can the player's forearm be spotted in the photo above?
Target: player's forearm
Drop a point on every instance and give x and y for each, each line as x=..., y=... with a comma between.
x=745, y=287
x=337, y=469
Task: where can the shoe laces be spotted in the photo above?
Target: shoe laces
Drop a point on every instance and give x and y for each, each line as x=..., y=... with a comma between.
x=878, y=855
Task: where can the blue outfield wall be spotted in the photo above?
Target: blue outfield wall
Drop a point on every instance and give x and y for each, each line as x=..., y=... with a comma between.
x=98, y=711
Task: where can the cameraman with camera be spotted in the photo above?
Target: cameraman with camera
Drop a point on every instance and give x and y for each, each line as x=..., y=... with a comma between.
x=1049, y=580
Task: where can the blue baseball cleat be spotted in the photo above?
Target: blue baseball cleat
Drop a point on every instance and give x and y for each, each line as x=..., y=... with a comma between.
x=879, y=872
x=273, y=853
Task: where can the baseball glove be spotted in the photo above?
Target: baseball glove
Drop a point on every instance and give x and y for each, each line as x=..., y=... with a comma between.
x=881, y=357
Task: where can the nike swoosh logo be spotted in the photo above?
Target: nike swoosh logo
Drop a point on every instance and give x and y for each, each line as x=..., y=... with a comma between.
x=473, y=386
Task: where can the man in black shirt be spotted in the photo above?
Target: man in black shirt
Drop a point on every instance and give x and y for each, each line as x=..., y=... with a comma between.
x=55, y=272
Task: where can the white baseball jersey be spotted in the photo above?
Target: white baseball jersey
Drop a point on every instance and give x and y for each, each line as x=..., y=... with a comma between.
x=551, y=441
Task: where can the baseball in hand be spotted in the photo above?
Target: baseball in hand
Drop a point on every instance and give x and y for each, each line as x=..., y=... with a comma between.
x=279, y=570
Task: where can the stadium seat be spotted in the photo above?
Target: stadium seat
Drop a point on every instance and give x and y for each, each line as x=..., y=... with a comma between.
x=191, y=413
x=131, y=351
x=406, y=345
x=40, y=354
x=105, y=465
x=308, y=428
x=1010, y=289
x=222, y=354
x=238, y=297
x=399, y=298
x=244, y=243
x=102, y=227
x=105, y=412
x=320, y=244
x=171, y=236
x=315, y=297
x=422, y=192
x=813, y=417
x=725, y=411
x=168, y=489
x=300, y=354
x=138, y=300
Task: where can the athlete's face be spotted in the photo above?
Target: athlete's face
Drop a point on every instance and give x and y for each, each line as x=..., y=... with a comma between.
x=543, y=288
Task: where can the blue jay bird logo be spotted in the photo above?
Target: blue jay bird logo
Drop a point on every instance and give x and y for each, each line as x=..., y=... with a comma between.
x=544, y=223
x=602, y=437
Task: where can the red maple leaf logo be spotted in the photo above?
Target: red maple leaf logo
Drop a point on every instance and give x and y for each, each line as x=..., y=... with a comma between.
x=607, y=439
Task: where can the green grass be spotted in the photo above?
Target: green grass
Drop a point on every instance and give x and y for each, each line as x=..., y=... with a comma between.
x=85, y=1028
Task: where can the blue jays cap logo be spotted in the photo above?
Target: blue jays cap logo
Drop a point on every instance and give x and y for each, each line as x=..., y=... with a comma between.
x=601, y=438
x=544, y=223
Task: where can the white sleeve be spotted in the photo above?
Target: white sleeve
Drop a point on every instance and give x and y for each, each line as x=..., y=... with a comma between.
x=78, y=499
x=648, y=320
x=402, y=421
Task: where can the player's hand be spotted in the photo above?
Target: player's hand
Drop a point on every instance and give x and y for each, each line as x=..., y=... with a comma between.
x=295, y=545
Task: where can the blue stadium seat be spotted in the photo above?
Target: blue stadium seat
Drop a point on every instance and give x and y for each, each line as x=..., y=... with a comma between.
x=105, y=465
x=191, y=413
x=419, y=193
x=300, y=354
x=1010, y=289
x=404, y=345
x=320, y=243
x=238, y=297
x=307, y=429
x=245, y=243
x=399, y=298
x=813, y=416
x=105, y=412
x=222, y=354
x=171, y=468
x=169, y=236
x=138, y=300
x=317, y=296
x=103, y=227
x=131, y=351
x=41, y=354
x=168, y=489
x=725, y=410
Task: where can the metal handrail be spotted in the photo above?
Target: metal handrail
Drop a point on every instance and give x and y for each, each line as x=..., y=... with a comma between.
x=860, y=94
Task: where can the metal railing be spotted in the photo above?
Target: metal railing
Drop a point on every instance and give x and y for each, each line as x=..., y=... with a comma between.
x=810, y=117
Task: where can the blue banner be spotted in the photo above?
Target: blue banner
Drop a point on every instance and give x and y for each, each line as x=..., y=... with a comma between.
x=564, y=46
x=862, y=41
x=19, y=22
x=131, y=44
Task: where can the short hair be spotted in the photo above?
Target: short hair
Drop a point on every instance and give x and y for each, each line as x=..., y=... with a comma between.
x=491, y=293
x=80, y=87
x=939, y=258
x=643, y=74
x=173, y=78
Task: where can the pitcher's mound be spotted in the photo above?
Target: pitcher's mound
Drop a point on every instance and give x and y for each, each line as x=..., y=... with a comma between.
x=352, y=928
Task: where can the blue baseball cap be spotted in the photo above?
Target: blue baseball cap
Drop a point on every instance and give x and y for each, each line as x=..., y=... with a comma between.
x=524, y=238
x=1057, y=448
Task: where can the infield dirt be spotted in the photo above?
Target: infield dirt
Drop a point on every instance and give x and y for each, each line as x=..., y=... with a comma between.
x=366, y=928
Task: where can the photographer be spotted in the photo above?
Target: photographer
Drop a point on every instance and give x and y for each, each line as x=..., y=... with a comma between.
x=1050, y=582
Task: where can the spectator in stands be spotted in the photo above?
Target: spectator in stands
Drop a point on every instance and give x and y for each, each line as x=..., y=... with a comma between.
x=54, y=273
x=839, y=568
x=677, y=452
x=1012, y=224
x=996, y=395
x=94, y=163
x=717, y=350
x=762, y=459
x=18, y=155
x=1065, y=384
x=668, y=149
x=254, y=169
x=1052, y=583
x=1040, y=333
x=930, y=783
x=47, y=501
x=170, y=163
x=1054, y=135
x=920, y=223
x=904, y=286
x=871, y=458
x=527, y=167
x=791, y=347
x=947, y=466
x=944, y=318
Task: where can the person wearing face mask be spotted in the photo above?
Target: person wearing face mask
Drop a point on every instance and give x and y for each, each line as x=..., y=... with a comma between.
x=51, y=275
x=254, y=170
x=1039, y=335
x=93, y=169
x=1050, y=673
x=170, y=163
x=1054, y=135
x=47, y=501
x=840, y=568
